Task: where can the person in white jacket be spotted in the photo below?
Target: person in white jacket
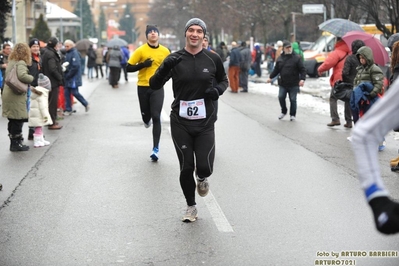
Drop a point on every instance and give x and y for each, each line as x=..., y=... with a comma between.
x=39, y=115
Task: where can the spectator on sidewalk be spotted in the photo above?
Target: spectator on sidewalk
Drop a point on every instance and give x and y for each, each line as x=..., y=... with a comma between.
x=4, y=60
x=38, y=112
x=15, y=106
x=114, y=60
x=335, y=61
x=125, y=57
x=349, y=71
x=34, y=70
x=222, y=51
x=245, y=65
x=292, y=76
x=234, y=67
x=99, y=61
x=91, y=62
x=73, y=79
x=51, y=67
x=257, y=60
x=279, y=50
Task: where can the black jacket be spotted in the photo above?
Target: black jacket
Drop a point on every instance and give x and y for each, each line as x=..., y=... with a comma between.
x=349, y=71
x=191, y=77
x=34, y=70
x=51, y=66
x=291, y=70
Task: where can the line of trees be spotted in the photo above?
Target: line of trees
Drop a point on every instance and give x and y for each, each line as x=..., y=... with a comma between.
x=268, y=20
x=5, y=10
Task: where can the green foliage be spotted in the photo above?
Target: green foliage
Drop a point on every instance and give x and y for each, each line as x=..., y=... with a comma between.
x=102, y=27
x=41, y=30
x=128, y=24
x=88, y=27
x=4, y=13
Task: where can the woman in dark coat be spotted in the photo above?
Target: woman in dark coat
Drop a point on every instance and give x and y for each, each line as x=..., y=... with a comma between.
x=91, y=62
x=114, y=59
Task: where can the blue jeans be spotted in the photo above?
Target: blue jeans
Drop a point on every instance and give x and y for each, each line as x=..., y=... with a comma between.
x=90, y=72
x=292, y=93
x=76, y=94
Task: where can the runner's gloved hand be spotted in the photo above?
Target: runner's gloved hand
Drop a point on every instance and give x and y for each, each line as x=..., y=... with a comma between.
x=167, y=65
x=386, y=215
x=147, y=63
x=212, y=93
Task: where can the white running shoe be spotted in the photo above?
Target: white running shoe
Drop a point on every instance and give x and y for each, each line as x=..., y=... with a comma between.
x=281, y=116
x=292, y=118
x=191, y=214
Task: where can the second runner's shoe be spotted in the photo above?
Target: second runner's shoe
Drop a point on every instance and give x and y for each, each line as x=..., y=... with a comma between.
x=202, y=187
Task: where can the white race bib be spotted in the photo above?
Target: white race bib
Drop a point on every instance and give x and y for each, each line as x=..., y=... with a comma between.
x=192, y=110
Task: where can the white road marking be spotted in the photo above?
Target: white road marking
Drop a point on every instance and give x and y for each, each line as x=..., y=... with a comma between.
x=217, y=214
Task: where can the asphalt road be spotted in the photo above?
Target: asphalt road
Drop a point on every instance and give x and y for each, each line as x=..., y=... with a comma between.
x=282, y=193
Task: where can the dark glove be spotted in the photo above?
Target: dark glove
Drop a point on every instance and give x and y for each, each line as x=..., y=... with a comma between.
x=167, y=65
x=147, y=63
x=386, y=215
x=212, y=93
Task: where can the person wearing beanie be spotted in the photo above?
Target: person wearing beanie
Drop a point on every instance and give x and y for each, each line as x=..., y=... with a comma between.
x=51, y=67
x=292, y=76
x=73, y=78
x=39, y=115
x=222, y=51
x=151, y=28
x=146, y=59
x=34, y=70
x=205, y=43
x=349, y=72
x=199, y=79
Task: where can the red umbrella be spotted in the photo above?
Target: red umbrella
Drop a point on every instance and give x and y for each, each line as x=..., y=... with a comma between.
x=380, y=54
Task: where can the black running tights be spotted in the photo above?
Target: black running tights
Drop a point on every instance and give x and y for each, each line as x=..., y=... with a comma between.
x=195, y=148
x=151, y=102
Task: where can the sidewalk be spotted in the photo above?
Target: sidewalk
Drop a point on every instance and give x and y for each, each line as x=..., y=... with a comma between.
x=16, y=166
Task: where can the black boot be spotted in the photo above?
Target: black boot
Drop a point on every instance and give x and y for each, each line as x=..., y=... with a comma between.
x=31, y=131
x=16, y=143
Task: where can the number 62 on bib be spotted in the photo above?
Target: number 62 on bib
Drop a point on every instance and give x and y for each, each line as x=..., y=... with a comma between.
x=192, y=110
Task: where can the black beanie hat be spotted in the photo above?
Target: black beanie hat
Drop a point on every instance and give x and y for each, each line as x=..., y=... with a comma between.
x=33, y=42
x=52, y=42
x=150, y=28
x=195, y=21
